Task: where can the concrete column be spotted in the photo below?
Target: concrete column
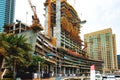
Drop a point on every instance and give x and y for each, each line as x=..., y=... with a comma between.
x=75, y=70
x=14, y=28
x=52, y=69
x=57, y=29
x=47, y=68
x=20, y=27
x=64, y=70
x=69, y=71
x=72, y=70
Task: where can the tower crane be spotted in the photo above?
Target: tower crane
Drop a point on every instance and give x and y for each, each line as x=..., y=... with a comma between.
x=35, y=20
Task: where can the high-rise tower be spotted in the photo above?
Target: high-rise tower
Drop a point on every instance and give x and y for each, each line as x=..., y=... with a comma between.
x=7, y=10
x=101, y=45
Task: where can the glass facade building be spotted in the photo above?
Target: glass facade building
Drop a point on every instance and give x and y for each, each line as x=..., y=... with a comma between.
x=118, y=58
x=7, y=10
x=101, y=45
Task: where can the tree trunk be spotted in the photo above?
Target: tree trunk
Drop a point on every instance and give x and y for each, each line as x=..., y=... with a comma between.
x=3, y=70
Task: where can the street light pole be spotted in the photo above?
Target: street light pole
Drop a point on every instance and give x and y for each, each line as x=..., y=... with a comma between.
x=56, y=70
x=39, y=70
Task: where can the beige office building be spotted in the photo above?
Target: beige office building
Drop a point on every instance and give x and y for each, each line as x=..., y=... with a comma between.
x=101, y=45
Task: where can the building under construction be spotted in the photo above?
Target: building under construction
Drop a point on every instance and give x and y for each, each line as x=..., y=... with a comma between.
x=63, y=24
x=61, y=45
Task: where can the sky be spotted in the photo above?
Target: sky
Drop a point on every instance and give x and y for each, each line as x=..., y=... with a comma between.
x=99, y=14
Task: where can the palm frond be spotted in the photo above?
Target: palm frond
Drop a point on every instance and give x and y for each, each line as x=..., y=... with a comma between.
x=2, y=52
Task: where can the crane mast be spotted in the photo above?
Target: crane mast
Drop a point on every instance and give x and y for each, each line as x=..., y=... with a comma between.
x=35, y=21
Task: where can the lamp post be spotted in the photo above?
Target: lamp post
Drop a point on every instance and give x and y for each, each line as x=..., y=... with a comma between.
x=39, y=70
x=60, y=69
x=56, y=70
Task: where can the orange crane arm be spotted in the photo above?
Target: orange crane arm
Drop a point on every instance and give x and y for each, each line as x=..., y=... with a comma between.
x=35, y=22
x=33, y=9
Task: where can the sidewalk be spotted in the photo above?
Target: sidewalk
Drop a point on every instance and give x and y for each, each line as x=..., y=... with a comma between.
x=64, y=78
x=52, y=78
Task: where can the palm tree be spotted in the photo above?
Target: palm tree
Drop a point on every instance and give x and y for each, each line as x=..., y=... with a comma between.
x=37, y=63
x=17, y=51
x=4, y=46
x=36, y=59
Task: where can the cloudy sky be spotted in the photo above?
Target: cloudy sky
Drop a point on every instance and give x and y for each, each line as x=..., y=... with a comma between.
x=100, y=14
